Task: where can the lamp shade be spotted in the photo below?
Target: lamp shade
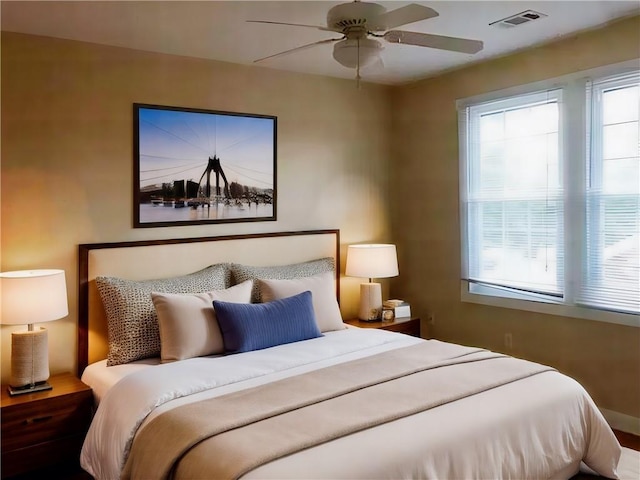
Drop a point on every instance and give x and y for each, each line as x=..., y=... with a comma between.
x=32, y=296
x=376, y=260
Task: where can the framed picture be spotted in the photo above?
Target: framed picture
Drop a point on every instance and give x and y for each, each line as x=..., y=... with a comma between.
x=195, y=166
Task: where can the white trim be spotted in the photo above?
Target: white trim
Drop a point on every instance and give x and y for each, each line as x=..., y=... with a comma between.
x=545, y=306
x=622, y=421
x=463, y=168
x=574, y=179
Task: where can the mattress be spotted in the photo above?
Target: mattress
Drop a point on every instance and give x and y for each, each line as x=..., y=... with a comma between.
x=542, y=426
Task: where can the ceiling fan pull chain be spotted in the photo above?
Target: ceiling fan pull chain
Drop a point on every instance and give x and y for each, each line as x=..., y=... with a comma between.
x=358, y=66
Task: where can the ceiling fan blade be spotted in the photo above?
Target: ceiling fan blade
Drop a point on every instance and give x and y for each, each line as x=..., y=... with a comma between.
x=317, y=27
x=302, y=47
x=441, y=42
x=404, y=15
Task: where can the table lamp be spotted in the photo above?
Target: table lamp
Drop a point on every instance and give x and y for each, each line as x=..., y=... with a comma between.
x=28, y=297
x=371, y=261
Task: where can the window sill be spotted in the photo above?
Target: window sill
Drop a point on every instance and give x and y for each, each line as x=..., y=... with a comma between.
x=541, y=306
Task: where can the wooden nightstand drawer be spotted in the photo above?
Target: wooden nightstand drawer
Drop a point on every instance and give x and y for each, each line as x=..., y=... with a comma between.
x=61, y=451
x=410, y=326
x=41, y=421
x=47, y=428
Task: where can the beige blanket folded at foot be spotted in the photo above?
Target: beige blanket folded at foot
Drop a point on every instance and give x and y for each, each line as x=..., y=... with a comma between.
x=228, y=436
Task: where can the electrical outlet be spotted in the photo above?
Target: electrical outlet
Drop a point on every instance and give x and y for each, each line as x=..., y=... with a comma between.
x=431, y=319
x=508, y=341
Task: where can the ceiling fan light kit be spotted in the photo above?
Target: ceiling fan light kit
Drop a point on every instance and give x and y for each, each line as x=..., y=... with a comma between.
x=350, y=52
x=357, y=21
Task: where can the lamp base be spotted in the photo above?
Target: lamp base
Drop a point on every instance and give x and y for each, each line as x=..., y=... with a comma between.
x=370, y=302
x=38, y=387
x=29, y=358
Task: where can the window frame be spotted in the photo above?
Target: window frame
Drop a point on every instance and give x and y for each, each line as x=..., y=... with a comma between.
x=595, y=92
x=574, y=117
x=474, y=114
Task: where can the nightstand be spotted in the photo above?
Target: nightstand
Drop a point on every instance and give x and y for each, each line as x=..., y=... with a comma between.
x=45, y=429
x=408, y=325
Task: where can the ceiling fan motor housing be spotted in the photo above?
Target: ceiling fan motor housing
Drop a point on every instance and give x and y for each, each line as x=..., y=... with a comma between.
x=355, y=14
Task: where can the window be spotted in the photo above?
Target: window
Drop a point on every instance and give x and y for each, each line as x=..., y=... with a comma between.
x=550, y=196
x=611, y=270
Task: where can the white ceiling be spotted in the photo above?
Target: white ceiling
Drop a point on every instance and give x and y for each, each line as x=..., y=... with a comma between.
x=218, y=30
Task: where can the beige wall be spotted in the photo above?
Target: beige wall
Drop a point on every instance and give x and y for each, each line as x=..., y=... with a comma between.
x=425, y=217
x=67, y=174
x=67, y=154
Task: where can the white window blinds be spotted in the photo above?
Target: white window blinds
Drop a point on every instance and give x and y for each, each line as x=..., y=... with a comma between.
x=514, y=194
x=611, y=264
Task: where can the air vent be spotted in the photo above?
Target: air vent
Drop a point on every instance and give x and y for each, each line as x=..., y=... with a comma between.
x=519, y=19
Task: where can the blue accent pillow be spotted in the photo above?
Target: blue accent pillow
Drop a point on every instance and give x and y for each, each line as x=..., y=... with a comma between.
x=254, y=326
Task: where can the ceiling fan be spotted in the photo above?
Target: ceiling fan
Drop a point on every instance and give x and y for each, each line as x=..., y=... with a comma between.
x=362, y=23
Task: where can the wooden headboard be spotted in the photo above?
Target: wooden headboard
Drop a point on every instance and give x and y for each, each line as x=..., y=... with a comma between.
x=143, y=260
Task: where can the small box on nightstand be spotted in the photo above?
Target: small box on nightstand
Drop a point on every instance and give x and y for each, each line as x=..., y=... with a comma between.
x=401, y=309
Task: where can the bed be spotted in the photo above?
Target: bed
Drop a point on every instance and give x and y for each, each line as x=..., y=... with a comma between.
x=283, y=389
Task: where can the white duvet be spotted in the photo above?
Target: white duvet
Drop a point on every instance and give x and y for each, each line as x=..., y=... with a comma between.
x=540, y=427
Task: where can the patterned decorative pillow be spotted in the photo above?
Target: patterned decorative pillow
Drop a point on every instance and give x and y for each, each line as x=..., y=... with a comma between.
x=131, y=318
x=254, y=326
x=241, y=273
x=323, y=292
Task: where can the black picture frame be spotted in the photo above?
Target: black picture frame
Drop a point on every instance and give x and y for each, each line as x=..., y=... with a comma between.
x=194, y=166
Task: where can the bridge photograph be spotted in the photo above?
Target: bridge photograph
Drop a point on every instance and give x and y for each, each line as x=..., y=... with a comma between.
x=202, y=166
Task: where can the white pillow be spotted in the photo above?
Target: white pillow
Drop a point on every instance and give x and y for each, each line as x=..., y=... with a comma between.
x=323, y=295
x=187, y=323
